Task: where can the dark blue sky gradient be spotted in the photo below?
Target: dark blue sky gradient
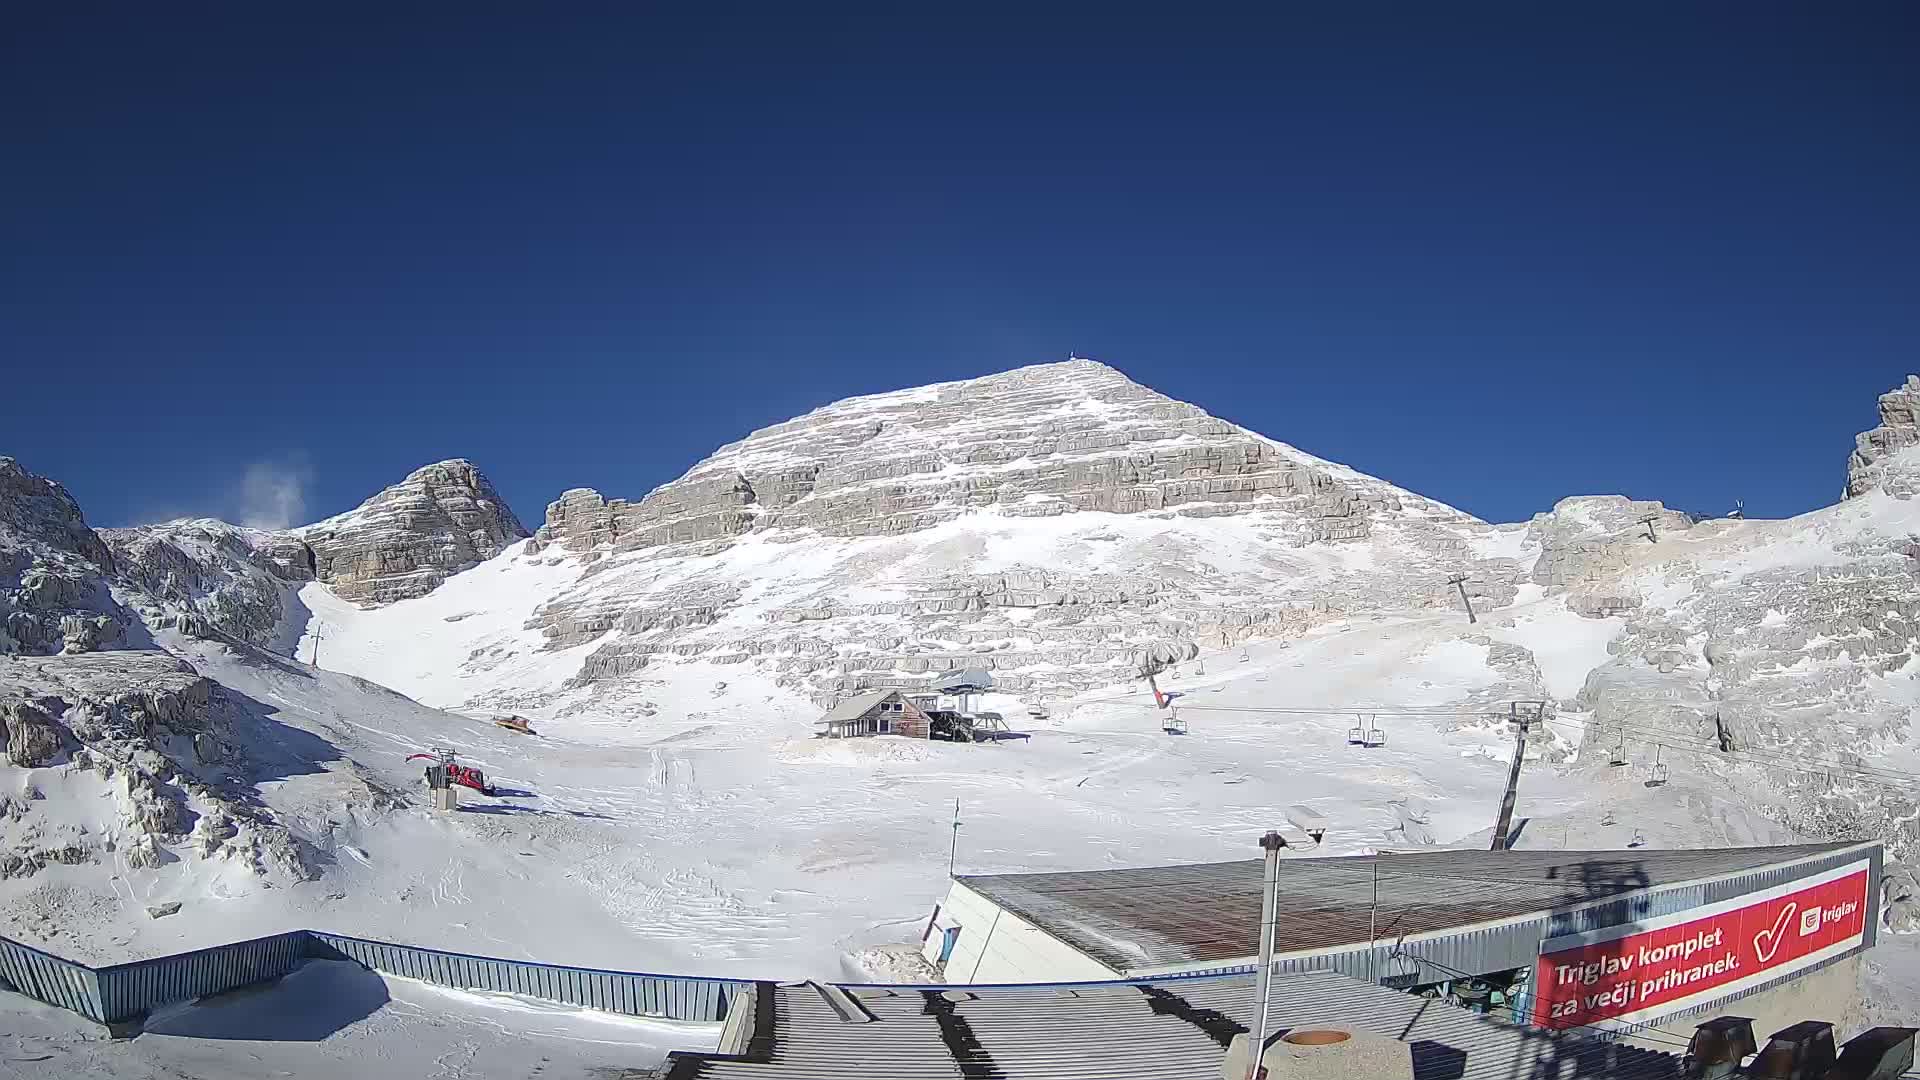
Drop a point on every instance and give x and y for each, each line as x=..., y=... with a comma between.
x=1494, y=253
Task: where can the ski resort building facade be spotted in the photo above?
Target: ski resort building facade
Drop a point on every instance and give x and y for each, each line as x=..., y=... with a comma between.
x=1624, y=941
x=876, y=712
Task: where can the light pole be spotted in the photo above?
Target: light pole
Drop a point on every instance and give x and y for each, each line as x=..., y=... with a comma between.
x=1269, y=901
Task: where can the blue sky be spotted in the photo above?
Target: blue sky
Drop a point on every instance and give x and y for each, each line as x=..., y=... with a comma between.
x=1494, y=253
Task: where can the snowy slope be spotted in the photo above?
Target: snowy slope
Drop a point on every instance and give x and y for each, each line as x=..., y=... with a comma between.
x=674, y=813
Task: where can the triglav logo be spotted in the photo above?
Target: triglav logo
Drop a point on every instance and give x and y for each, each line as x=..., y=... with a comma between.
x=1809, y=922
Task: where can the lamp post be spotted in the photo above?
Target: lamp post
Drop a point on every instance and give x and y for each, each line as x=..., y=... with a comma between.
x=1269, y=901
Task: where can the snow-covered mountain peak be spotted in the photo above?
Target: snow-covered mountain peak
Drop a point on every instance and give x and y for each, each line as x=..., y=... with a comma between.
x=441, y=519
x=37, y=511
x=1040, y=441
x=1051, y=523
x=53, y=596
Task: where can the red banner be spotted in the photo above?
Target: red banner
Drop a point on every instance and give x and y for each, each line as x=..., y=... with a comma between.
x=1642, y=970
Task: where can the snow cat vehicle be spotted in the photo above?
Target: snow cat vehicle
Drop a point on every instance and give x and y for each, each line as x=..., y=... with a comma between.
x=465, y=776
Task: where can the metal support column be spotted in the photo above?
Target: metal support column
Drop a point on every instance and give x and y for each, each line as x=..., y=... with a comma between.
x=1521, y=721
x=1269, y=903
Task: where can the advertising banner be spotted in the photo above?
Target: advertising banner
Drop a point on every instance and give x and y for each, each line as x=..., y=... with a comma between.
x=1652, y=967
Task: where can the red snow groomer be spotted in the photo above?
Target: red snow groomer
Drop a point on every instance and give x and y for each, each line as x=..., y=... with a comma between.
x=463, y=775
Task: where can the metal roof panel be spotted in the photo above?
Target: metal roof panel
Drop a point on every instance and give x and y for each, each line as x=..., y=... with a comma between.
x=1146, y=918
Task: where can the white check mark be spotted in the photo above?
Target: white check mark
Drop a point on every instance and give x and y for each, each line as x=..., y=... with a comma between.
x=1767, y=942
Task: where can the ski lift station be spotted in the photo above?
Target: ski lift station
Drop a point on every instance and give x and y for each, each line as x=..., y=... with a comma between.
x=947, y=709
x=1623, y=941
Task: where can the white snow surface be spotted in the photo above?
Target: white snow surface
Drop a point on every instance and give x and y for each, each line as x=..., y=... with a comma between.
x=722, y=839
x=1566, y=646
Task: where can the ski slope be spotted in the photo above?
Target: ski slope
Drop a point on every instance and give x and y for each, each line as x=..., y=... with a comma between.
x=723, y=839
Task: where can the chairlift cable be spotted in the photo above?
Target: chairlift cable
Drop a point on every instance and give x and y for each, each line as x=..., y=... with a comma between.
x=1812, y=767
x=1838, y=770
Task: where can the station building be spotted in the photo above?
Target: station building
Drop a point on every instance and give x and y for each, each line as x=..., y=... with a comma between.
x=1623, y=942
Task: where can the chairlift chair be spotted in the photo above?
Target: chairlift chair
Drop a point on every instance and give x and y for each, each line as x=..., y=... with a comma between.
x=1375, y=737
x=1659, y=770
x=1357, y=736
x=1244, y=657
x=1173, y=723
x=1619, y=753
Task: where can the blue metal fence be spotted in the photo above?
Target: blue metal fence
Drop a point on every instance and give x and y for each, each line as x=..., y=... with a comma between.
x=138, y=988
x=674, y=997
x=126, y=991
x=46, y=977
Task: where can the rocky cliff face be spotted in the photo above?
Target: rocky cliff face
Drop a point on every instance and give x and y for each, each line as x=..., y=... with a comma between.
x=1873, y=461
x=212, y=579
x=1776, y=657
x=1039, y=441
x=1588, y=539
x=442, y=519
x=53, y=571
x=1055, y=525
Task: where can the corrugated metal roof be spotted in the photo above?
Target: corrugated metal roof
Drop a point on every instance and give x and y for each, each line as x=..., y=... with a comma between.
x=973, y=679
x=1173, y=1030
x=1153, y=917
x=855, y=707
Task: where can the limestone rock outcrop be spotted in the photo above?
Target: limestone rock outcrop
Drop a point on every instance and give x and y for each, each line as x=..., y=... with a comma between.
x=153, y=728
x=212, y=579
x=402, y=543
x=1035, y=442
x=1873, y=462
x=1586, y=537
x=1774, y=656
x=33, y=738
x=54, y=570
x=37, y=510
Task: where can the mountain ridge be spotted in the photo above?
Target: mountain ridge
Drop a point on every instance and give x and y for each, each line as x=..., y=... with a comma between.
x=1102, y=442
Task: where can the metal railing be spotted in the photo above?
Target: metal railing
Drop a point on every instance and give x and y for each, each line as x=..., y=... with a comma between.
x=633, y=993
x=137, y=988
x=122, y=992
